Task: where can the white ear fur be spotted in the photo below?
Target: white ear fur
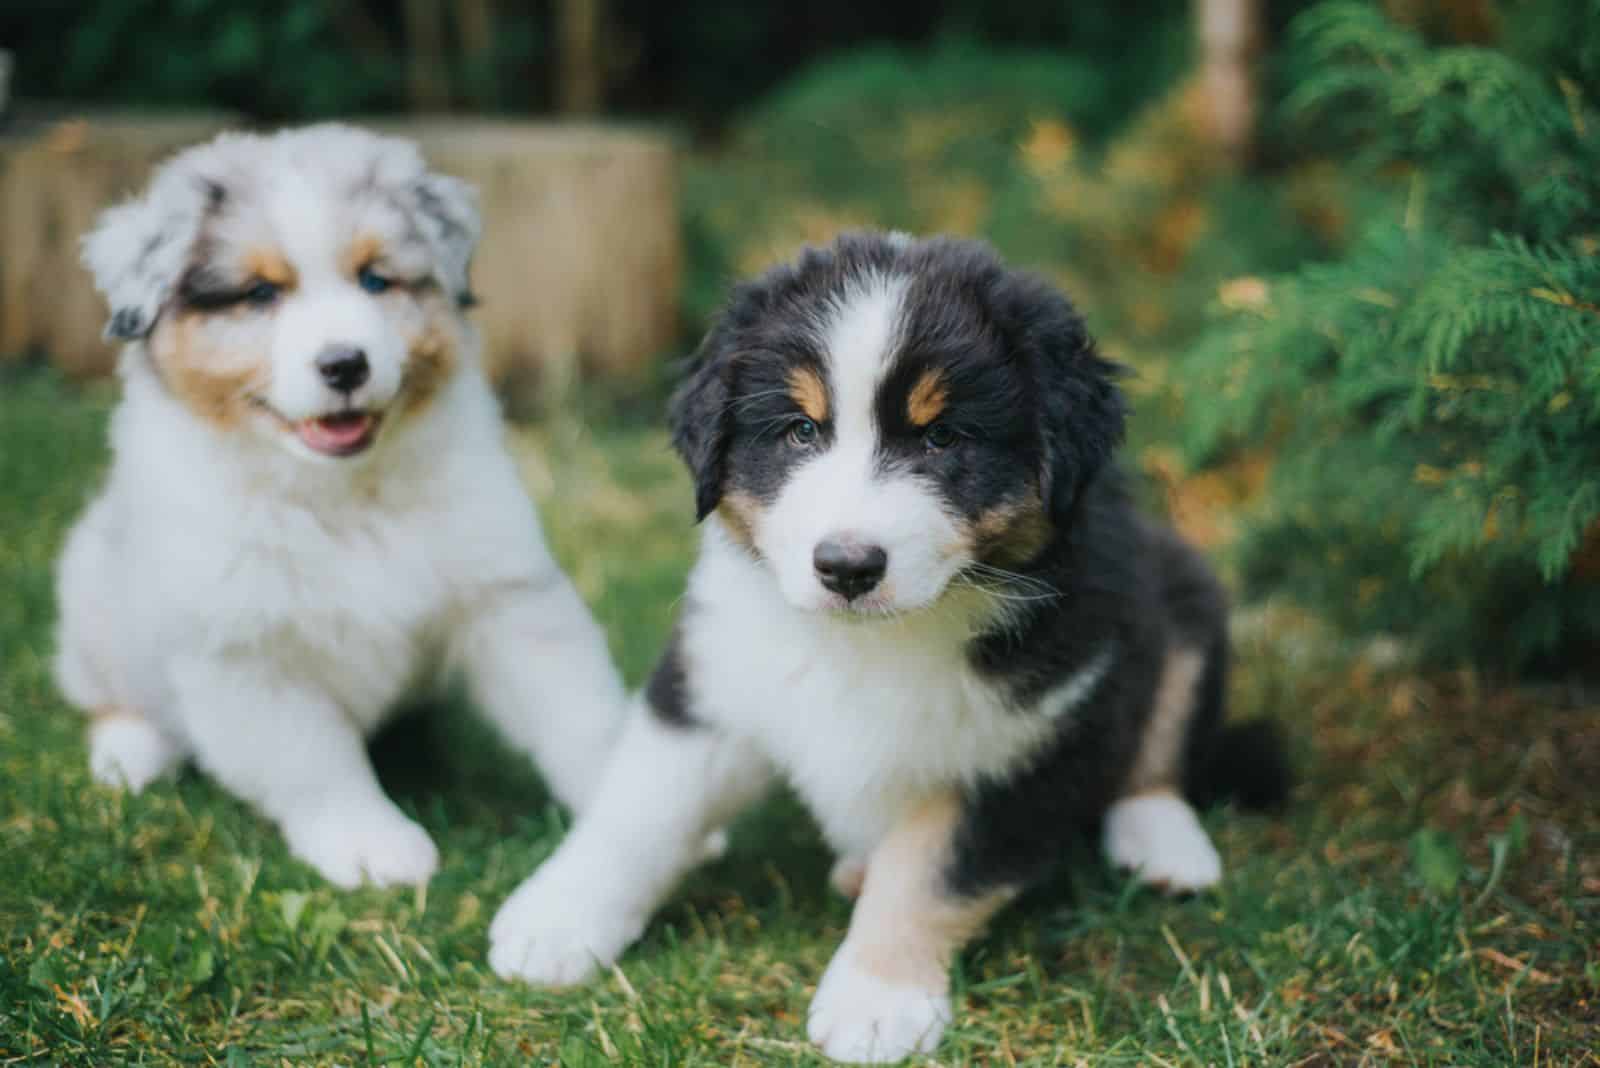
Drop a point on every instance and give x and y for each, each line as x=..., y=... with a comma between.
x=447, y=211
x=138, y=249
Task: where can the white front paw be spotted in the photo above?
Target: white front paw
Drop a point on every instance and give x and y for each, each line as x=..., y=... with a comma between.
x=554, y=930
x=861, y=1019
x=371, y=842
x=1159, y=838
x=126, y=751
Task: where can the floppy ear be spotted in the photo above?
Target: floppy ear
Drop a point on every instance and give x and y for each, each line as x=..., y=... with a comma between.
x=698, y=416
x=1080, y=410
x=447, y=212
x=138, y=250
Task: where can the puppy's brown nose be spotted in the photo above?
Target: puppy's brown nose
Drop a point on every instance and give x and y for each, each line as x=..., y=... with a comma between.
x=847, y=568
x=343, y=367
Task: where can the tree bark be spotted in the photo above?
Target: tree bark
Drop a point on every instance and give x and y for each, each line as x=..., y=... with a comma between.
x=1229, y=33
x=580, y=65
x=427, y=79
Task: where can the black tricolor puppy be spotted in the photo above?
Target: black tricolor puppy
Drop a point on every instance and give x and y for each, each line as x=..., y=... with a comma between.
x=924, y=598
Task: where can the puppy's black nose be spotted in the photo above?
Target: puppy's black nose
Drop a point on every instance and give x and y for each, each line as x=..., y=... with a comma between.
x=343, y=367
x=847, y=568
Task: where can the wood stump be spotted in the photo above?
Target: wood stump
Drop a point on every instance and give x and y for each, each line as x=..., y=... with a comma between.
x=579, y=268
x=578, y=272
x=55, y=179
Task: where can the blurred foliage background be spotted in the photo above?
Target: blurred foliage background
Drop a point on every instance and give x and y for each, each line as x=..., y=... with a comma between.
x=1367, y=332
x=1350, y=253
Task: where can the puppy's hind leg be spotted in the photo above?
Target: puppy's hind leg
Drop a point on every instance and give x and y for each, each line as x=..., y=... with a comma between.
x=1152, y=831
x=538, y=665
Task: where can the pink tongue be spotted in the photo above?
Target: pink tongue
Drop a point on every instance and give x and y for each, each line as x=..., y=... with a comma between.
x=334, y=433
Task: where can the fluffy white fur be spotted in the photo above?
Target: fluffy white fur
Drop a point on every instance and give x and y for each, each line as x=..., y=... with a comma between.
x=1158, y=837
x=235, y=598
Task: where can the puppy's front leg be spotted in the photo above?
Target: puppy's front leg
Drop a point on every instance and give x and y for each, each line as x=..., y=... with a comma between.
x=292, y=753
x=665, y=787
x=538, y=665
x=886, y=993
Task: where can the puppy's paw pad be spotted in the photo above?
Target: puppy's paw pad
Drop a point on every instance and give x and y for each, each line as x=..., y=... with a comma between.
x=551, y=933
x=377, y=845
x=861, y=1019
x=1160, y=840
x=125, y=751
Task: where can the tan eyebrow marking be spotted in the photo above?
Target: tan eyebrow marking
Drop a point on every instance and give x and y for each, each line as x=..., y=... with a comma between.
x=927, y=398
x=809, y=393
x=269, y=265
x=363, y=252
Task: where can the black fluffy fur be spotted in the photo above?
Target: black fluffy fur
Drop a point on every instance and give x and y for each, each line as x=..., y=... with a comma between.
x=1042, y=413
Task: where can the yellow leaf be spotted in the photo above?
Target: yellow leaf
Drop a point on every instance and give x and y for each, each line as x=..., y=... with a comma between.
x=1552, y=297
x=1244, y=294
x=1050, y=143
x=1429, y=475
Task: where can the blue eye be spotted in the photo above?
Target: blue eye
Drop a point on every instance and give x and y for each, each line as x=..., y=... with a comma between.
x=802, y=432
x=372, y=281
x=939, y=437
x=262, y=293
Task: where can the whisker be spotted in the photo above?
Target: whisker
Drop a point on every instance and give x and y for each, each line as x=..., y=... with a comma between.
x=1013, y=576
x=762, y=394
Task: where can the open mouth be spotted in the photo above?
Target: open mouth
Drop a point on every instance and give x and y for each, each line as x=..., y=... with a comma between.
x=339, y=434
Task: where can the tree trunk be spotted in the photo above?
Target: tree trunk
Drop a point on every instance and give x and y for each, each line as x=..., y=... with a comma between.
x=580, y=86
x=1229, y=33
x=427, y=79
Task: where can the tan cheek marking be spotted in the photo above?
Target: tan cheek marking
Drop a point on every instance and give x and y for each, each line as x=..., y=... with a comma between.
x=363, y=251
x=809, y=393
x=431, y=359
x=1011, y=533
x=269, y=265
x=907, y=926
x=738, y=512
x=211, y=381
x=1159, y=765
x=927, y=399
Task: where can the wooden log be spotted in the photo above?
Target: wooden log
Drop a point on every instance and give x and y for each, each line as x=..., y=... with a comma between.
x=56, y=176
x=579, y=269
x=578, y=272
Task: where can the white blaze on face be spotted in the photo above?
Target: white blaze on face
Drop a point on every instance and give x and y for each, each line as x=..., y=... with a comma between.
x=842, y=493
x=326, y=307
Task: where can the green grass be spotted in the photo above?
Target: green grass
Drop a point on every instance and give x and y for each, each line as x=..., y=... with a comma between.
x=1431, y=896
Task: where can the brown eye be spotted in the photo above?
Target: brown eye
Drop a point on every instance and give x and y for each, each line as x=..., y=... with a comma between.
x=803, y=433
x=938, y=437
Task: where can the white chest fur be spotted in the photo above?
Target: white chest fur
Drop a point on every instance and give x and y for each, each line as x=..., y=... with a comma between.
x=348, y=586
x=864, y=718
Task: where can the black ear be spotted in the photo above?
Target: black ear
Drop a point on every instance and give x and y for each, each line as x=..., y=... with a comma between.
x=698, y=416
x=1080, y=410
